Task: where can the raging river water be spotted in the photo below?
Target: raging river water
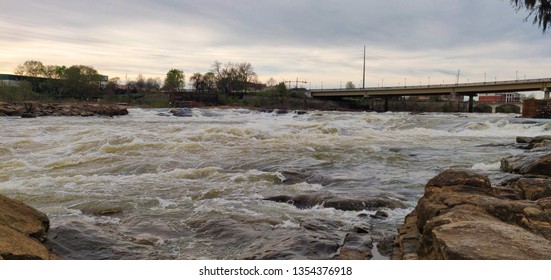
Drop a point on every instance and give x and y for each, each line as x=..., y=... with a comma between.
x=154, y=186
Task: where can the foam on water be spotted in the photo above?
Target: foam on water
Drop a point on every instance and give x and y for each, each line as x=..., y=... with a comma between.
x=156, y=177
x=496, y=166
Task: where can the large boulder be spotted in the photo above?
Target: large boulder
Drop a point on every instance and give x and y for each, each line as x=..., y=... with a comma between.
x=24, y=218
x=22, y=229
x=461, y=216
x=14, y=245
x=181, y=112
x=310, y=200
x=537, y=162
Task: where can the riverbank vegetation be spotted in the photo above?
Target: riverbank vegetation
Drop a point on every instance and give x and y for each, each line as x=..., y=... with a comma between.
x=225, y=84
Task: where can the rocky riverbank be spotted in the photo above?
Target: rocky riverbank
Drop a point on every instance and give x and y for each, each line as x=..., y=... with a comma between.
x=34, y=109
x=462, y=216
x=22, y=231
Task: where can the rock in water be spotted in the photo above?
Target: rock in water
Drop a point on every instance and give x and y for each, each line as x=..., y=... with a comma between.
x=533, y=162
x=341, y=203
x=461, y=216
x=181, y=112
x=22, y=229
x=28, y=115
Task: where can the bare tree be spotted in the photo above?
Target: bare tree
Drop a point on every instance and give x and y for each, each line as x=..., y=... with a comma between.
x=31, y=68
x=210, y=81
x=233, y=77
x=197, y=80
x=153, y=84
x=271, y=82
x=140, y=83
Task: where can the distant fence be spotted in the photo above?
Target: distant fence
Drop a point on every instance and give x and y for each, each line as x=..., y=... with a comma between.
x=181, y=99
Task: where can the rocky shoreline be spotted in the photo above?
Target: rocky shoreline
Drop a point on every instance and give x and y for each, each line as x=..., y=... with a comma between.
x=23, y=229
x=462, y=216
x=34, y=109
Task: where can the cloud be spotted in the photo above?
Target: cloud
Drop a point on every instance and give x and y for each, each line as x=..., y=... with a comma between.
x=285, y=39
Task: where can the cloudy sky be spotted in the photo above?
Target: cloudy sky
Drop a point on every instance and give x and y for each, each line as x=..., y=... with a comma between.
x=319, y=41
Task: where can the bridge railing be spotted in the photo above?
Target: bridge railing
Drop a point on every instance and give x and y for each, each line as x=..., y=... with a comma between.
x=507, y=82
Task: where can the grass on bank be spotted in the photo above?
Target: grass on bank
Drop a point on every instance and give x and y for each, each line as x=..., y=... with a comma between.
x=267, y=99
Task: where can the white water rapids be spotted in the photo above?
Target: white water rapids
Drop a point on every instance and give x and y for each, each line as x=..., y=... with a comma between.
x=151, y=186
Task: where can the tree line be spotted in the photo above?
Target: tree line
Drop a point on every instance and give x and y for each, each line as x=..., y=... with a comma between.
x=84, y=82
x=224, y=78
x=77, y=81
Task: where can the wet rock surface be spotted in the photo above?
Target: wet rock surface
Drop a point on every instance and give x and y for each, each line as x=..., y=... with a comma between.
x=76, y=109
x=461, y=216
x=325, y=239
x=341, y=203
x=22, y=229
x=536, y=160
x=309, y=238
x=181, y=112
x=80, y=240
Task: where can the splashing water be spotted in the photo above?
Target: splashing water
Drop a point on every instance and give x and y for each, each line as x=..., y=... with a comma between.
x=147, y=186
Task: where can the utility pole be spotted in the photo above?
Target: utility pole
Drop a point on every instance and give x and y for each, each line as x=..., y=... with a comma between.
x=458, y=72
x=296, y=83
x=363, y=81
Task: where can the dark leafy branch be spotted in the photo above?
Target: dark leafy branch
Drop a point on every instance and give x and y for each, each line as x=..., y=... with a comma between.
x=540, y=10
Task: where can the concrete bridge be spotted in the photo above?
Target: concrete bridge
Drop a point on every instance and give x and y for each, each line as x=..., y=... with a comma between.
x=462, y=89
x=496, y=105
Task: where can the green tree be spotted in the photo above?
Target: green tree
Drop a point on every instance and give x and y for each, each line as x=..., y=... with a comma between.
x=53, y=85
x=175, y=80
x=81, y=82
x=281, y=89
x=20, y=93
x=350, y=85
x=539, y=9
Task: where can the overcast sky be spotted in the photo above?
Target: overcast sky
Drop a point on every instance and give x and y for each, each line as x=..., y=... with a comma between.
x=312, y=40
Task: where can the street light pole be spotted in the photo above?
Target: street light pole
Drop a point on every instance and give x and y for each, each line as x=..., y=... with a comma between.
x=363, y=81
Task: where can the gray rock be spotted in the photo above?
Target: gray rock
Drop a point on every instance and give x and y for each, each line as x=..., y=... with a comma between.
x=340, y=203
x=461, y=216
x=535, y=163
x=182, y=112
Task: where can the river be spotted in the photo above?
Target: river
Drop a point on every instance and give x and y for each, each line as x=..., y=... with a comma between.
x=154, y=186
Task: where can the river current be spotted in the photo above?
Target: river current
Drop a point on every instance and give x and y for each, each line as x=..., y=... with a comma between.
x=154, y=186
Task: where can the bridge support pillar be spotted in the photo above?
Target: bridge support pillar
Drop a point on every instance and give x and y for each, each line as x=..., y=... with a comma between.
x=546, y=93
x=386, y=104
x=471, y=103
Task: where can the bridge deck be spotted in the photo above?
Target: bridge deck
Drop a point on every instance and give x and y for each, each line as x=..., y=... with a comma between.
x=446, y=89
